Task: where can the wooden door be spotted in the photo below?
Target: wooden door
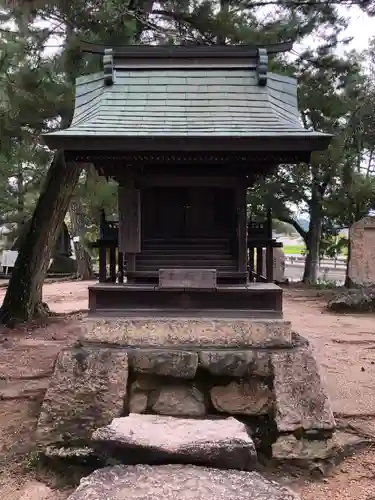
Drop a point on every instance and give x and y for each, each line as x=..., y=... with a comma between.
x=225, y=212
x=199, y=212
x=163, y=210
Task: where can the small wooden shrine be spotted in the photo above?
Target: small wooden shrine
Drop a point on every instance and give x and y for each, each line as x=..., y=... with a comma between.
x=185, y=131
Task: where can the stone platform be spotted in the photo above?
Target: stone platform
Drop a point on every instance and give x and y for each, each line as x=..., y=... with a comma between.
x=258, y=371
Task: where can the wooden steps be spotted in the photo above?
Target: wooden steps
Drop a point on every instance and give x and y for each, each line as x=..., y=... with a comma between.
x=187, y=253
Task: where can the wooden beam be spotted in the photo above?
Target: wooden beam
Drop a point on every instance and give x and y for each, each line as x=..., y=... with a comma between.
x=185, y=180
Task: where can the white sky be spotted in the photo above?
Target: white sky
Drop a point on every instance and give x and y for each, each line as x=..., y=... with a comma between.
x=361, y=28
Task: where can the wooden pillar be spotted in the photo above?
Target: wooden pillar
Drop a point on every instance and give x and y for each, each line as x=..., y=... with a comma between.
x=129, y=228
x=241, y=205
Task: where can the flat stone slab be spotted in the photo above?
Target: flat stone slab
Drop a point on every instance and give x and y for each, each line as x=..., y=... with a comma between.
x=202, y=333
x=177, y=482
x=301, y=400
x=237, y=363
x=187, y=278
x=86, y=391
x=288, y=447
x=156, y=439
x=172, y=363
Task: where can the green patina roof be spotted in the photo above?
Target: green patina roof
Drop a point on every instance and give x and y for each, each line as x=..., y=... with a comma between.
x=184, y=102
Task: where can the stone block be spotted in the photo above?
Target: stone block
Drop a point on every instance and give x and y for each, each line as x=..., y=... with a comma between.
x=236, y=363
x=138, y=402
x=288, y=447
x=186, y=333
x=172, y=482
x=301, y=401
x=180, y=400
x=34, y=490
x=361, y=268
x=179, y=364
x=87, y=390
x=243, y=398
x=154, y=439
x=278, y=264
x=187, y=278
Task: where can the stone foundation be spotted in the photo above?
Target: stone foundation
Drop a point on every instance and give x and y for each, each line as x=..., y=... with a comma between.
x=259, y=372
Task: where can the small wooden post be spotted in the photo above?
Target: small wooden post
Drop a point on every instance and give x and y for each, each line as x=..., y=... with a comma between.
x=269, y=262
x=269, y=248
x=102, y=264
x=112, y=263
x=269, y=224
x=259, y=268
x=251, y=262
x=120, y=267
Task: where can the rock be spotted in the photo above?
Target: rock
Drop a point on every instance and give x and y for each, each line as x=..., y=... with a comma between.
x=301, y=399
x=140, y=389
x=177, y=482
x=180, y=400
x=185, y=333
x=146, y=383
x=243, y=398
x=26, y=389
x=69, y=452
x=87, y=390
x=355, y=300
x=154, y=439
x=288, y=447
x=179, y=364
x=138, y=402
x=236, y=363
x=34, y=490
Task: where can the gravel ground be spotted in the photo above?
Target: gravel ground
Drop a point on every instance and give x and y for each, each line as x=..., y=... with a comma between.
x=344, y=346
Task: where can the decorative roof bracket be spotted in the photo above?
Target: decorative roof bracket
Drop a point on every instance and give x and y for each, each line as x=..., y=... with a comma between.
x=108, y=67
x=262, y=66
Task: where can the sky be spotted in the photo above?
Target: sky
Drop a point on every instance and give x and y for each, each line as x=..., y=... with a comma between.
x=361, y=28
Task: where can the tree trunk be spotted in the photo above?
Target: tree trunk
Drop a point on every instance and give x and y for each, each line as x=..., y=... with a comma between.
x=84, y=264
x=23, y=299
x=310, y=273
x=20, y=199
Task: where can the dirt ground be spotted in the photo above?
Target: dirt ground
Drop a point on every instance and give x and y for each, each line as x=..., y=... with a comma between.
x=344, y=346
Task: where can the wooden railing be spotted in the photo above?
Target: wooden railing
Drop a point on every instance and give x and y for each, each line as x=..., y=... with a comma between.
x=259, y=238
x=256, y=252
x=111, y=261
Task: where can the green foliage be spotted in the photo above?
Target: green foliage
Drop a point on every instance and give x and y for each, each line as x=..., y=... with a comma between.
x=335, y=96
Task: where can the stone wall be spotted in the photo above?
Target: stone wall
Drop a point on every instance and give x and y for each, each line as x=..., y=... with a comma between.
x=362, y=252
x=276, y=390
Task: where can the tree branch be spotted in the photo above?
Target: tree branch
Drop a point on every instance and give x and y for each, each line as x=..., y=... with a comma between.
x=296, y=226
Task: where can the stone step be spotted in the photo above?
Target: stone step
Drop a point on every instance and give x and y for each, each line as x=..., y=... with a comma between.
x=185, y=332
x=173, y=482
x=222, y=443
